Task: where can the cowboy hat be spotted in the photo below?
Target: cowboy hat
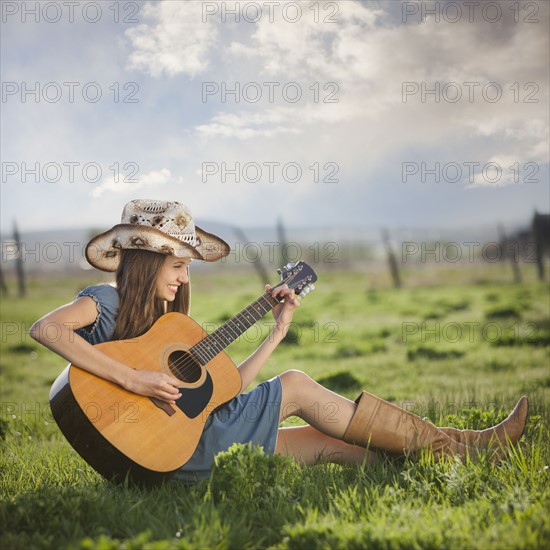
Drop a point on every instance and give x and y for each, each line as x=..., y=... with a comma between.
x=166, y=227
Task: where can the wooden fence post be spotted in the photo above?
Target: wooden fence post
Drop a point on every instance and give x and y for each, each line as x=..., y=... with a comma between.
x=394, y=269
x=258, y=266
x=541, y=229
x=3, y=287
x=514, y=258
x=19, y=268
x=282, y=242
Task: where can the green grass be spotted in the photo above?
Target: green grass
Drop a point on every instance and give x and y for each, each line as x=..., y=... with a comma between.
x=459, y=354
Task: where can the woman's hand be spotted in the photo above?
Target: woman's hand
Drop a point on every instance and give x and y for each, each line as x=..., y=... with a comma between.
x=284, y=311
x=154, y=384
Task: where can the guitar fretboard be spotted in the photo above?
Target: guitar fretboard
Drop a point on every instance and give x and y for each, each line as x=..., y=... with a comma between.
x=227, y=333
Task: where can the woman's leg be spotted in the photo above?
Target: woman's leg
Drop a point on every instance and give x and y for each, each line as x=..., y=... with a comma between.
x=370, y=422
x=320, y=407
x=309, y=446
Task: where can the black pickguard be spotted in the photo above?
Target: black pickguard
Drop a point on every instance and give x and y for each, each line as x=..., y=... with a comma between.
x=194, y=400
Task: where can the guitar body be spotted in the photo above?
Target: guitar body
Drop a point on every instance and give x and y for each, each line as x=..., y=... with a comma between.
x=125, y=435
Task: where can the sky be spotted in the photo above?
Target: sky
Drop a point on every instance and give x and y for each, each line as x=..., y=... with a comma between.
x=343, y=114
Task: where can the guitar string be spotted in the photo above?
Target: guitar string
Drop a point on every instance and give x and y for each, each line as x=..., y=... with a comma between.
x=189, y=362
x=204, y=354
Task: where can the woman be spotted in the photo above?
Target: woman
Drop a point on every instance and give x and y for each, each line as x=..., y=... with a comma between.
x=151, y=250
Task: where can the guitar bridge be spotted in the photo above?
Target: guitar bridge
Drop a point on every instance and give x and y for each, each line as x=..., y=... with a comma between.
x=166, y=407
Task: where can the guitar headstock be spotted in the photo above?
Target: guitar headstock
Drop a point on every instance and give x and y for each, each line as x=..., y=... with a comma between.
x=299, y=277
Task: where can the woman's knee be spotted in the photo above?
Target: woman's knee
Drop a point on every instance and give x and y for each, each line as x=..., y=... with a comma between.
x=295, y=385
x=295, y=379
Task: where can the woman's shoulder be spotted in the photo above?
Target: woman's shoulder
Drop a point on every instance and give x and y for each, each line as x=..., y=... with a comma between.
x=103, y=293
x=105, y=297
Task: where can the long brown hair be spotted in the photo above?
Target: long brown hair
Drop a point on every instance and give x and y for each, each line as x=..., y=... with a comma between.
x=139, y=308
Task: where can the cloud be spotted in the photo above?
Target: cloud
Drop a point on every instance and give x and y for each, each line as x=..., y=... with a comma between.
x=367, y=133
x=370, y=62
x=272, y=122
x=177, y=43
x=152, y=180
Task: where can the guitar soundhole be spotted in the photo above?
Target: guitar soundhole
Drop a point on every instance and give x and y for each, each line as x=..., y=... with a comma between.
x=184, y=366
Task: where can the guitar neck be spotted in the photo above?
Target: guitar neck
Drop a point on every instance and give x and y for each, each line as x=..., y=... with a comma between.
x=217, y=341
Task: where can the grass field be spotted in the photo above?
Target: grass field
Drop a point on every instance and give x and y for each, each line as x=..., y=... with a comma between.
x=460, y=353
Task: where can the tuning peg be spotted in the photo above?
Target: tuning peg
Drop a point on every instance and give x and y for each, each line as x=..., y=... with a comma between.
x=307, y=290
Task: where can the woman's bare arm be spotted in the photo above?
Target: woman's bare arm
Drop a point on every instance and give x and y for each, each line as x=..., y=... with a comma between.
x=283, y=313
x=56, y=331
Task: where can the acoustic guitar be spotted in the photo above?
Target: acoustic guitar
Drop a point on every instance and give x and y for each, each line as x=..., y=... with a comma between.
x=123, y=435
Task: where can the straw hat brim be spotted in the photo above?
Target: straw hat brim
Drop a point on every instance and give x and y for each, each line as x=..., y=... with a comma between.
x=103, y=251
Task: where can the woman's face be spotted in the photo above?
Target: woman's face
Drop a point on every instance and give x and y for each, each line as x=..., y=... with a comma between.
x=173, y=273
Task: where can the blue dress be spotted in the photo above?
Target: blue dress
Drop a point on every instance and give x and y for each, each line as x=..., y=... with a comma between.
x=249, y=417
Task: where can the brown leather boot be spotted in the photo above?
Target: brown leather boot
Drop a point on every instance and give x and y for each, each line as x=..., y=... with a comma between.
x=383, y=426
x=509, y=430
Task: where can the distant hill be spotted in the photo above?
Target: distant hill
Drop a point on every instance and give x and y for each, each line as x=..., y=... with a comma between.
x=61, y=250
